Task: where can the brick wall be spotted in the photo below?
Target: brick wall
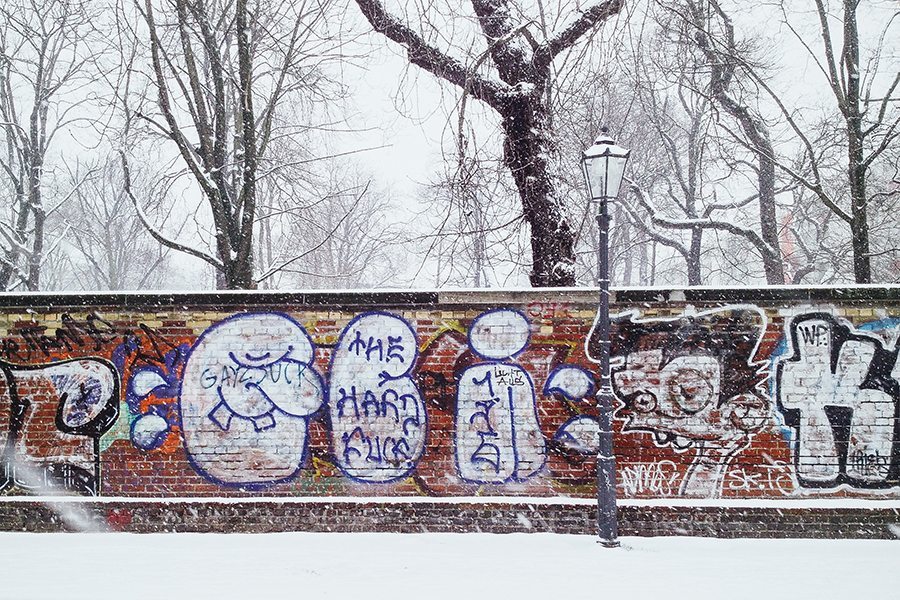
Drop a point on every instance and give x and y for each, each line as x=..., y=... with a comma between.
x=725, y=396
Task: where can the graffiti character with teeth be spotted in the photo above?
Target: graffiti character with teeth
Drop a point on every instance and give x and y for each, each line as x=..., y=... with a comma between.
x=691, y=383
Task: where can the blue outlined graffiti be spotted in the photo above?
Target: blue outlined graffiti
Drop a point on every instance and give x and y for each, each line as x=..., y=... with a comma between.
x=161, y=382
x=378, y=420
x=248, y=389
x=61, y=408
x=581, y=433
x=574, y=383
x=498, y=437
x=151, y=366
x=838, y=392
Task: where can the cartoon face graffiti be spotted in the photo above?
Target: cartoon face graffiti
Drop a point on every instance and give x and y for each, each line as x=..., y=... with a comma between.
x=691, y=383
x=248, y=389
x=680, y=401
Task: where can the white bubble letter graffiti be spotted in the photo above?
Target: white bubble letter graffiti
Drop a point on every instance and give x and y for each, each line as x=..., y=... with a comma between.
x=378, y=420
x=498, y=438
x=248, y=388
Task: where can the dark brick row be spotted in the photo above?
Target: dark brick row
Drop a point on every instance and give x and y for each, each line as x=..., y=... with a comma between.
x=266, y=517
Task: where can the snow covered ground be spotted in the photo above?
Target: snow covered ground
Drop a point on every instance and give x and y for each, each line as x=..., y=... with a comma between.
x=374, y=566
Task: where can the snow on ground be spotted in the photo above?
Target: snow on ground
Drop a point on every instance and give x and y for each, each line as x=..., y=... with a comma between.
x=373, y=566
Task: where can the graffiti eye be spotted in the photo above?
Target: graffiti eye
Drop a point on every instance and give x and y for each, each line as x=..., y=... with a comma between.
x=643, y=402
x=690, y=390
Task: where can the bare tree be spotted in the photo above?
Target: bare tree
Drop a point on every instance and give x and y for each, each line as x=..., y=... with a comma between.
x=678, y=92
x=334, y=230
x=109, y=248
x=511, y=73
x=682, y=196
x=722, y=67
x=44, y=62
x=471, y=206
x=221, y=73
x=865, y=100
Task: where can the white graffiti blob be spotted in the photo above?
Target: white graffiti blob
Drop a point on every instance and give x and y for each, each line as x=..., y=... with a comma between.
x=826, y=371
x=574, y=383
x=247, y=391
x=581, y=433
x=498, y=438
x=378, y=420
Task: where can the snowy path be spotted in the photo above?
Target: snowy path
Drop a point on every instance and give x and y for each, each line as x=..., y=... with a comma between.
x=374, y=566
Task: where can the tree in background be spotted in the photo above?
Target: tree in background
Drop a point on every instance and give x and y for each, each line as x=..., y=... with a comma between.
x=45, y=57
x=108, y=246
x=220, y=75
x=686, y=97
x=862, y=124
x=342, y=235
x=509, y=68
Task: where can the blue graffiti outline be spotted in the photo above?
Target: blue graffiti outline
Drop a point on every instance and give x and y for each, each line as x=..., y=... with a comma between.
x=561, y=434
x=173, y=360
x=160, y=437
x=513, y=478
x=254, y=485
x=592, y=383
x=384, y=378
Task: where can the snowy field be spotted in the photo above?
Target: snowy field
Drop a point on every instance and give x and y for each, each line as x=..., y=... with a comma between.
x=428, y=566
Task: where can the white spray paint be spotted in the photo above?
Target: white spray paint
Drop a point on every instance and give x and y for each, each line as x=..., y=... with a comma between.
x=378, y=420
x=498, y=438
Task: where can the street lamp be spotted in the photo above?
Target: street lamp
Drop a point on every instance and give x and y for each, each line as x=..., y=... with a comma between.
x=604, y=167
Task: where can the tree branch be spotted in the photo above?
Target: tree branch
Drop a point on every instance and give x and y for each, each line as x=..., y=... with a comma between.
x=426, y=56
x=159, y=237
x=567, y=37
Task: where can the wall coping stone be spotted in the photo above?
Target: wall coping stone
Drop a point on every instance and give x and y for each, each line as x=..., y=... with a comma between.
x=350, y=299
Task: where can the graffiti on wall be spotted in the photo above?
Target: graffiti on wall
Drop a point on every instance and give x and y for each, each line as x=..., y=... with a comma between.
x=708, y=403
x=694, y=384
x=498, y=438
x=378, y=419
x=248, y=390
x=838, y=390
x=581, y=433
x=152, y=386
x=35, y=345
x=80, y=398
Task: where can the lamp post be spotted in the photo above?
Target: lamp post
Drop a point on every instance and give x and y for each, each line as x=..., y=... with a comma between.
x=604, y=166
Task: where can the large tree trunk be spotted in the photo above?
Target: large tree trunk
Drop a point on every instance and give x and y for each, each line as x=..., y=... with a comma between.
x=693, y=258
x=859, y=227
x=239, y=275
x=520, y=97
x=768, y=220
x=35, y=205
x=527, y=150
